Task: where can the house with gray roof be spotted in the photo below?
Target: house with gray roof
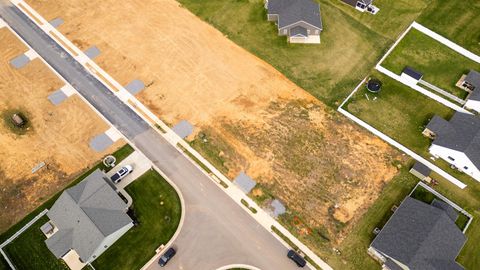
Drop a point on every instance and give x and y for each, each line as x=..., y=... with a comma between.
x=456, y=141
x=87, y=219
x=299, y=20
x=362, y=5
x=420, y=236
x=471, y=83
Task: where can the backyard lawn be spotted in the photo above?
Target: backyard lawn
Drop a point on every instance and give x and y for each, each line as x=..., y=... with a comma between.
x=456, y=20
x=398, y=111
x=440, y=65
x=157, y=207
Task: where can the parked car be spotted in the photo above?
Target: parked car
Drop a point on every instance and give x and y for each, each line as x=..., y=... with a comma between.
x=294, y=256
x=118, y=176
x=167, y=256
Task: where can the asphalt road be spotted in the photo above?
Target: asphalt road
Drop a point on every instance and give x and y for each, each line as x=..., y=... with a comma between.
x=216, y=231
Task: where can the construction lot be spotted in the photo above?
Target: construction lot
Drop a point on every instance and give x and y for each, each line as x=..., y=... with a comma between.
x=248, y=116
x=56, y=136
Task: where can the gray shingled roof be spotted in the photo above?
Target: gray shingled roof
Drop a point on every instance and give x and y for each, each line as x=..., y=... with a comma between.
x=473, y=78
x=461, y=133
x=293, y=11
x=85, y=214
x=298, y=31
x=451, y=212
x=421, y=168
x=421, y=236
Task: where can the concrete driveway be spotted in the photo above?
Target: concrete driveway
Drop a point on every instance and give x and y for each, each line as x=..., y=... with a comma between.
x=140, y=164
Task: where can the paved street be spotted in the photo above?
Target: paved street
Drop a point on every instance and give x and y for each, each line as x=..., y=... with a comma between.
x=216, y=231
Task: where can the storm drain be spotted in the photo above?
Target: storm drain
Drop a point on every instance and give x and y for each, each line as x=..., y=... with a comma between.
x=244, y=182
x=56, y=22
x=135, y=86
x=183, y=129
x=101, y=142
x=92, y=52
x=20, y=61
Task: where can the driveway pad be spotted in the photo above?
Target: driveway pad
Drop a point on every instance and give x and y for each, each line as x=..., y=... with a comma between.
x=57, y=97
x=56, y=22
x=20, y=61
x=183, y=129
x=135, y=86
x=92, y=52
x=244, y=182
x=101, y=142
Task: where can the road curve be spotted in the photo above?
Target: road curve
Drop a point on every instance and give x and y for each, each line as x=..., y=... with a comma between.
x=216, y=231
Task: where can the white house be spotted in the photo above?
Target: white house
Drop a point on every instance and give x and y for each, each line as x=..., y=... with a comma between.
x=86, y=219
x=457, y=141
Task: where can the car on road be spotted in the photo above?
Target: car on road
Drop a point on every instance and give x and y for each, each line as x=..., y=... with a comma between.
x=167, y=256
x=124, y=171
x=294, y=256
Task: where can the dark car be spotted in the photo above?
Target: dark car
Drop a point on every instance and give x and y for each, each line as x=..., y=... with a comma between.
x=166, y=257
x=294, y=256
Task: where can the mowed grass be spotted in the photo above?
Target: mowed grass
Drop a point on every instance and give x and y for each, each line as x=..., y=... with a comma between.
x=398, y=111
x=439, y=64
x=158, y=209
x=29, y=251
x=456, y=20
x=328, y=71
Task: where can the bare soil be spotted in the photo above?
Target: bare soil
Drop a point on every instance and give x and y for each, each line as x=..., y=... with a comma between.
x=58, y=135
x=248, y=115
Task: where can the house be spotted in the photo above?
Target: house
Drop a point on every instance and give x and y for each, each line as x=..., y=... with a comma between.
x=363, y=5
x=471, y=83
x=456, y=141
x=421, y=171
x=299, y=20
x=86, y=219
x=419, y=236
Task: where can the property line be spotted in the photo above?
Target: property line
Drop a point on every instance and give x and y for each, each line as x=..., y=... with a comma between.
x=407, y=151
x=422, y=90
x=394, y=45
x=353, y=92
x=261, y=217
x=9, y=240
x=445, y=41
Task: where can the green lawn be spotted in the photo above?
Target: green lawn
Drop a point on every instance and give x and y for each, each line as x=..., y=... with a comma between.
x=398, y=111
x=28, y=251
x=328, y=71
x=439, y=64
x=354, y=248
x=157, y=207
x=456, y=20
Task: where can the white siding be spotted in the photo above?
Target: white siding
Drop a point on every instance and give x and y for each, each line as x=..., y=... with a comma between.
x=108, y=241
x=460, y=160
x=473, y=105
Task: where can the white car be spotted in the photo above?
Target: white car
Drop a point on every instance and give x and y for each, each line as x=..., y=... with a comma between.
x=124, y=171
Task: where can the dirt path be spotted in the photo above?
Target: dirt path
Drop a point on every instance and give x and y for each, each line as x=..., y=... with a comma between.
x=58, y=136
x=249, y=116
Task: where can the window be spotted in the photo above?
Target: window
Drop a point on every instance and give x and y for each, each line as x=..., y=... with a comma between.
x=451, y=158
x=285, y=31
x=308, y=31
x=316, y=32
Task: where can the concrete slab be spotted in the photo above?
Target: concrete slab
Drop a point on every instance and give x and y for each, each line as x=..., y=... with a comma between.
x=20, y=61
x=183, y=129
x=278, y=208
x=113, y=134
x=68, y=90
x=140, y=165
x=31, y=54
x=2, y=23
x=101, y=142
x=72, y=259
x=57, y=97
x=56, y=22
x=244, y=182
x=92, y=52
x=135, y=86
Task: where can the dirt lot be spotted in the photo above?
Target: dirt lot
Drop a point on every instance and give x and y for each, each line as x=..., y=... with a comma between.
x=248, y=115
x=58, y=135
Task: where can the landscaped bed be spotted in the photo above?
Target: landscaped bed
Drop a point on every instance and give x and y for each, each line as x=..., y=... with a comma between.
x=440, y=65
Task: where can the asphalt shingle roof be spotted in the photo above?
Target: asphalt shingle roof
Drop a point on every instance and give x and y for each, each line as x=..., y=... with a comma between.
x=461, y=133
x=85, y=214
x=421, y=236
x=473, y=77
x=293, y=11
